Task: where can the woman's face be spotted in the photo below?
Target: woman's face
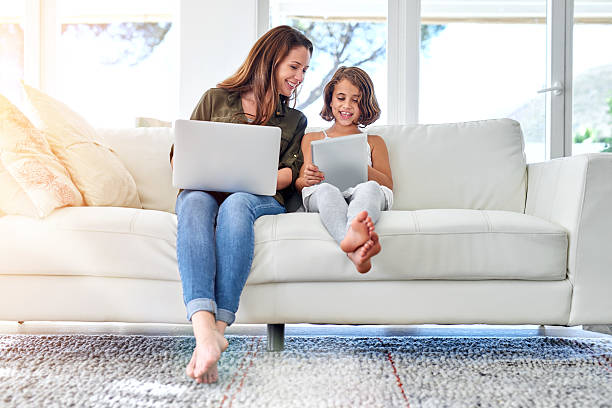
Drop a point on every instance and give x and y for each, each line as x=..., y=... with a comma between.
x=345, y=103
x=291, y=70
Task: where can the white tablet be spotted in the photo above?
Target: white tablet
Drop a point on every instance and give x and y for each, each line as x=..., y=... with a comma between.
x=228, y=157
x=343, y=160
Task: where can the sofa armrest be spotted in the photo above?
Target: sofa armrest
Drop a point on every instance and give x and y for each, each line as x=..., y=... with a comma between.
x=576, y=193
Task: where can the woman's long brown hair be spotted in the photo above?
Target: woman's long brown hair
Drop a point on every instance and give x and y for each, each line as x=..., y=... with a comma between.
x=257, y=72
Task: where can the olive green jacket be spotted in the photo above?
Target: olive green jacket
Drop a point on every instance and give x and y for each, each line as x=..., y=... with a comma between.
x=220, y=105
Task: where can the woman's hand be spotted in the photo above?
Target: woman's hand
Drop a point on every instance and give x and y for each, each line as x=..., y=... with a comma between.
x=311, y=175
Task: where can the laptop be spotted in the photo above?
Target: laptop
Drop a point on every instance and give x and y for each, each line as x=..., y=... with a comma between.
x=228, y=157
x=344, y=160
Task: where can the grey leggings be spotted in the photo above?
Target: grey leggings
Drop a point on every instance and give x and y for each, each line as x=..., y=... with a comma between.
x=337, y=212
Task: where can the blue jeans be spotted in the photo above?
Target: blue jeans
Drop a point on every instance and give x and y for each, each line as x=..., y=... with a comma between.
x=214, y=258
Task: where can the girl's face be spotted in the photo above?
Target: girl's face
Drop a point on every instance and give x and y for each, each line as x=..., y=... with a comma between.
x=291, y=70
x=345, y=103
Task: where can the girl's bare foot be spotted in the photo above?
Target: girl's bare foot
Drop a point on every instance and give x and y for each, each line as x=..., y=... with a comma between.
x=203, y=365
x=370, y=224
x=361, y=256
x=357, y=233
x=375, y=248
x=362, y=264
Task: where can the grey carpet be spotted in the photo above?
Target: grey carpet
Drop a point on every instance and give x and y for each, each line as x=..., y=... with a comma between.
x=139, y=371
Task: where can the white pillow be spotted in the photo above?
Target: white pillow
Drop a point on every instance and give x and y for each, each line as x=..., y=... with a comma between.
x=145, y=153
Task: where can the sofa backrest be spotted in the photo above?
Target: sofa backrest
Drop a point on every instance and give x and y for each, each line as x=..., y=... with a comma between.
x=145, y=153
x=468, y=165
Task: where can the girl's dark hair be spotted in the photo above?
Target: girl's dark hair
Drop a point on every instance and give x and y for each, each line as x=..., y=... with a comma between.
x=257, y=72
x=368, y=105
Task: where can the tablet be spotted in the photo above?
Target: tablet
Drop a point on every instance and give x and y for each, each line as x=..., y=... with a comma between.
x=343, y=160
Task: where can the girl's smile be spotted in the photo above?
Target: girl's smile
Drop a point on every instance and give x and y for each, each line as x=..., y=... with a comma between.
x=345, y=103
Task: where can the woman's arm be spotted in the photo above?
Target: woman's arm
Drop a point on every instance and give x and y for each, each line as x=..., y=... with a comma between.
x=380, y=171
x=292, y=158
x=285, y=175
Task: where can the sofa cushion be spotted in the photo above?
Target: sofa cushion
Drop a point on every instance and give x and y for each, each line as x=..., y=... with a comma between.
x=424, y=244
x=91, y=241
x=95, y=169
x=145, y=153
x=471, y=165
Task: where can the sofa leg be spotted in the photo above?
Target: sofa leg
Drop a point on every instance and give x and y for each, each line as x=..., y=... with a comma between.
x=20, y=322
x=276, y=337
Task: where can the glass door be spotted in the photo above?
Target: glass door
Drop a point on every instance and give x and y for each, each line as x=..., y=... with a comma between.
x=484, y=60
x=592, y=77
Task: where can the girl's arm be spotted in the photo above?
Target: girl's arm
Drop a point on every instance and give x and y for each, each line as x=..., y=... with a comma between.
x=309, y=173
x=380, y=171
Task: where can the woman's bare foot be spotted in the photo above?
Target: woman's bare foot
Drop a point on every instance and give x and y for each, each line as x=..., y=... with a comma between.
x=357, y=234
x=203, y=365
x=209, y=346
x=208, y=377
x=361, y=256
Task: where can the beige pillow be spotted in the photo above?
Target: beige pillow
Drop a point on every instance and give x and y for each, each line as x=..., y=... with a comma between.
x=151, y=122
x=95, y=169
x=32, y=180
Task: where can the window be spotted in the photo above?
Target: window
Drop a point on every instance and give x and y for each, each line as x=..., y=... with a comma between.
x=116, y=60
x=485, y=61
x=349, y=33
x=592, y=77
x=12, y=15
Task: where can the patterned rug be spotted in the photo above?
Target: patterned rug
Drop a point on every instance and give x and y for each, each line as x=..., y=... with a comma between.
x=139, y=371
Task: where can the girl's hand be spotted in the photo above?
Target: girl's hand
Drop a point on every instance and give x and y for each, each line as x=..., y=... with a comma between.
x=312, y=175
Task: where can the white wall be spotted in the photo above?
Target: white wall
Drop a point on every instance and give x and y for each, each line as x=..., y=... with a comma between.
x=215, y=37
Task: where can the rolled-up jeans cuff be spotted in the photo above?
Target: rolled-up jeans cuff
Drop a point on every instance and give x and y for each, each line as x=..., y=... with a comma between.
x=226, y=316
x=197, y=305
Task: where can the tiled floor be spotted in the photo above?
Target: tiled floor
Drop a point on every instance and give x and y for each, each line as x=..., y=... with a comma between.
x=299, y=330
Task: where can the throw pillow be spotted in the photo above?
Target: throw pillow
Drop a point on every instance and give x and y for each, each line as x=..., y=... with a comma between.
x=32, y=180
x=151, y=122
x=95, y=168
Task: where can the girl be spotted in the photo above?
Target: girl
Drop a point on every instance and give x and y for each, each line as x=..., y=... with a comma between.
x=215, y=236
x=349, y=215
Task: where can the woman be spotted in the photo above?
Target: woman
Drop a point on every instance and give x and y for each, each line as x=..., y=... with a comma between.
x=215, y=237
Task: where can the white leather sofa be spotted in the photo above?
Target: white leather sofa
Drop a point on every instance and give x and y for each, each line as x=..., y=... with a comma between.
x=475, y=236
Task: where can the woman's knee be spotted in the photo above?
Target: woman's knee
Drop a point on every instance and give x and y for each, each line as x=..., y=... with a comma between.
x=239, y=200
x=195, y=200
x=236, y=204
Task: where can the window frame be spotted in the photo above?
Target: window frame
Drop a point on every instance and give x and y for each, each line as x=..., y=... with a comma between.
x=41, y=30
x=403, y=53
